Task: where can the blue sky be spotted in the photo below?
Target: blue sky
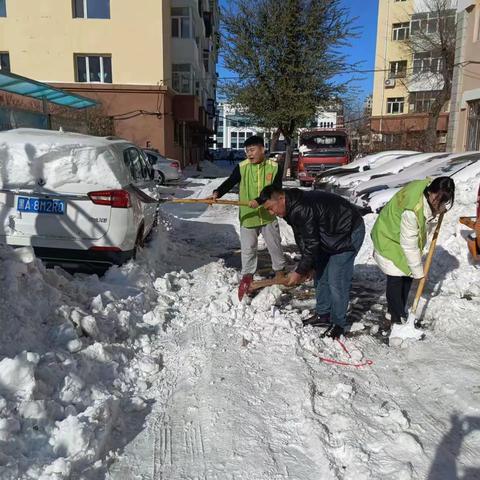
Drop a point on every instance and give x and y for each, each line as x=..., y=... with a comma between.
x=362, y=50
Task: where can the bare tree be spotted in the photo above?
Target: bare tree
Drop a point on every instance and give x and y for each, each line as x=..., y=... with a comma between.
x=432, y=45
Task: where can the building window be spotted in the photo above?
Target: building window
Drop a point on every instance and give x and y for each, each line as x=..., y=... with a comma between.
x=392, y=139
x=400, y=1
x=181, y=22
x=395, y=105
x=3, y=8
x=91, y=8
x=241, y=139
x=421, y=102
x=423, y=62
x=182, y=80
x=398, y=69
x=4, y=61
x=233, y=140
x=431, y=22
x=473, y=134
x=400, y=31
x=93, y=68
x=206, y=58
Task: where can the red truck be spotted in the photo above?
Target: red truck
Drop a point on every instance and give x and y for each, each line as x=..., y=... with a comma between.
x=321, y=150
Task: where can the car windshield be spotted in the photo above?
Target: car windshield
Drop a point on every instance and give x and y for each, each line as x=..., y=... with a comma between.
x=456, y=164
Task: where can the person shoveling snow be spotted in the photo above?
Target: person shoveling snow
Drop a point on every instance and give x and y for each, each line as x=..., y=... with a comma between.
x=399, y=236
x=253, y=174
x=329, y=232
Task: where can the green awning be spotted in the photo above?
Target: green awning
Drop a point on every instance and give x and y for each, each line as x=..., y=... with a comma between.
x=12, y=83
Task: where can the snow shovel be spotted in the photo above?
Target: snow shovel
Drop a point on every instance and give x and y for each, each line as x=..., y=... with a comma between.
x=408, y=330
x=247, y=285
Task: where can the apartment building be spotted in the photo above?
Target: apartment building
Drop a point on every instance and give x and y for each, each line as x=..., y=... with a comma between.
x=405, y=82
x=233, y=127
x=464, y=125
x=151, y=65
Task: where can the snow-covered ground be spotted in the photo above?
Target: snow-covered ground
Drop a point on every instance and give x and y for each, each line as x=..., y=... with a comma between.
x=156, y=371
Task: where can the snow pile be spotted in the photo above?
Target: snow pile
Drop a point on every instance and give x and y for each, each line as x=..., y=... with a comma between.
x=157, y=370
x=28, y=155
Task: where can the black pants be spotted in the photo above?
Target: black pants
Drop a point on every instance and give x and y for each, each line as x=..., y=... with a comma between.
x=398, y=289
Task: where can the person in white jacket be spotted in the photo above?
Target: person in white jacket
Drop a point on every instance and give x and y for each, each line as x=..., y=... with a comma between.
x=400, y=233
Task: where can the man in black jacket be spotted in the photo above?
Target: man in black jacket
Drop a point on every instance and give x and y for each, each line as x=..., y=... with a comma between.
x=329, y=232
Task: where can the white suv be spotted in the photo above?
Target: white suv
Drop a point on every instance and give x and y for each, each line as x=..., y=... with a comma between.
x=78, y=200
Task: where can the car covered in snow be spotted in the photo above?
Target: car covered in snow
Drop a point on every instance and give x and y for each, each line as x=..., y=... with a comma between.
x=362, y=164
x=377, y=192
x=387, y=167
x=80, y=201
x=166, y=169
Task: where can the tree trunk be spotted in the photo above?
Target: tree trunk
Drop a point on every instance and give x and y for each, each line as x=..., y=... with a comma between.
x=431, y=140
x=274, y=140
x=288, y=157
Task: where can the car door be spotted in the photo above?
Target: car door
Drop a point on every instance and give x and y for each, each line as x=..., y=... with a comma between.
x=144, y=184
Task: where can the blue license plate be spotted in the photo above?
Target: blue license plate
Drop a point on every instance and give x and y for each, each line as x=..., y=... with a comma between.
x=40, y=205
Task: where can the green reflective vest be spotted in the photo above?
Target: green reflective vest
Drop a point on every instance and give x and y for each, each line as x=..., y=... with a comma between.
x=254, y=178
x=386, y=231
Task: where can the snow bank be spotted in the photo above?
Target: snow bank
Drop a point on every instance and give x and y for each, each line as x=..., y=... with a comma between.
x=27, y=155
x=157, y=370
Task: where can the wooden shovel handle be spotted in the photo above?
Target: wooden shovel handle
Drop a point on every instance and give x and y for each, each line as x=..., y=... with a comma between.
x=428, y=263
x=209, y=201
x=267, y=283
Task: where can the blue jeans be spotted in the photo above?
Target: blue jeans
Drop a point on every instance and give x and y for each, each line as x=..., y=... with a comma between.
x=334, y=282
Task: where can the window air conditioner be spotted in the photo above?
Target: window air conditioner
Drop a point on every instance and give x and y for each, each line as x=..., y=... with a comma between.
x=390, y=82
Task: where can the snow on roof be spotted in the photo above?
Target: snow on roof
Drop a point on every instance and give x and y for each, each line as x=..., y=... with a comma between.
x=58, y=159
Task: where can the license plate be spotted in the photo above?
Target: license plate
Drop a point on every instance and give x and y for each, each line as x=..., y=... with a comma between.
x=40, y=205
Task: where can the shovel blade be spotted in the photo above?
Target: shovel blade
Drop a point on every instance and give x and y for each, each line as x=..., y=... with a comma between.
x=473, y=247
x=244, y=287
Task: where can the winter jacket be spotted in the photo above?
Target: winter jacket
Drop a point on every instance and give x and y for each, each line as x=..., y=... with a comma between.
x=253, y=178
x=322, y=224
x=400, y=232
x=409, y=244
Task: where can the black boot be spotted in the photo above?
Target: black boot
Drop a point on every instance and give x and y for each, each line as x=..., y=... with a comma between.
x=317, y=320
x=334, y=332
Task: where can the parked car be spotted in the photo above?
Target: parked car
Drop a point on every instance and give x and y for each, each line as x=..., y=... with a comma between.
x=460, y=166
x=391, y=166
x=167, y=170
x=81, y=202
x=332, y=176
